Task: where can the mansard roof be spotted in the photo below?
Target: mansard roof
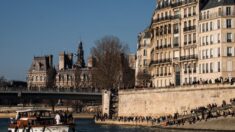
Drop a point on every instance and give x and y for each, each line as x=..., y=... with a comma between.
x=207, y=4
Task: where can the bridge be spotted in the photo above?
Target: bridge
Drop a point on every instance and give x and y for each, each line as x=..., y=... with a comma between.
x=84, y=95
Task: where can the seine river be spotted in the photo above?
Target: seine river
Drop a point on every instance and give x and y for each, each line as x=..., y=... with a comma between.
x=87, y=125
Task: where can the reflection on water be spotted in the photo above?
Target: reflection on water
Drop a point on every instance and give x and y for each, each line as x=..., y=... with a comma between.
x=87, y=125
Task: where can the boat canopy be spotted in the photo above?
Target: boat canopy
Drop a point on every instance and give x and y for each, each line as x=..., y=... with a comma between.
x=32, y=110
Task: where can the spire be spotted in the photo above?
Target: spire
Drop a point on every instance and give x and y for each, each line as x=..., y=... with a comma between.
x=80, y=56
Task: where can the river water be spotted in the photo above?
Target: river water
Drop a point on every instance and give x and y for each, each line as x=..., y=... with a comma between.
x=87, y=125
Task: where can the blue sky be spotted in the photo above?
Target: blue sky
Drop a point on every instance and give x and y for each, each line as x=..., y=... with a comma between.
x=38, y=27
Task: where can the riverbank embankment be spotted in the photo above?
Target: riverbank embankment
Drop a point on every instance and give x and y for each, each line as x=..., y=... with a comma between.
x=219, y=124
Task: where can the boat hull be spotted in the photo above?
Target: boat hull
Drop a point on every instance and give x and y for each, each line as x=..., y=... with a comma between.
x=62, y=128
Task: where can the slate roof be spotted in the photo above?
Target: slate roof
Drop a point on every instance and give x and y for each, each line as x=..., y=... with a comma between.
x=207, y=4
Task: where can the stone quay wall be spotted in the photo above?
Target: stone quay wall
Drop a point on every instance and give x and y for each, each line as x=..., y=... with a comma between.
x=159, y=102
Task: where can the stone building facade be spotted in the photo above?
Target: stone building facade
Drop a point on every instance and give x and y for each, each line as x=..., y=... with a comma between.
x=188, y=41
x=74, y=75
x=41, y=73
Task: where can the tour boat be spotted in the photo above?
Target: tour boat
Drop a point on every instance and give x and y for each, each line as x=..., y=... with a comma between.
x=33, y=120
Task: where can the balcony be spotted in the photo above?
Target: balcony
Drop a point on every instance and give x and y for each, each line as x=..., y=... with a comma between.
x=189, y=28
x=229, y=54
x=176, y=45
x=176, y=17
x=189, y=57
x=163, y=19
x=229, y=26
x=176, y=31
x=161, y=61
x=229, y=40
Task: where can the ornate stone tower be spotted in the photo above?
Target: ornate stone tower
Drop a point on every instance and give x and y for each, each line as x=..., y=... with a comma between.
x=80, y=56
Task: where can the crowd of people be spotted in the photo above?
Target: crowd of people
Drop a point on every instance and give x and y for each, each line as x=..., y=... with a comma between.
x=202, y=113
x=219, y=80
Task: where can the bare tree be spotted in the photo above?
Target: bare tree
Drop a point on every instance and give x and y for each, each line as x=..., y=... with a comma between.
x=3, y=81
x=108, y=53
x=143, y=78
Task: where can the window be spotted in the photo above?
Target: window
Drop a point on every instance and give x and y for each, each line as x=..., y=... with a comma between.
x=185, y=39
x=228, y=11
x=185, y=12
x=228, y=23
x=185, y=68
x=194, y=68
x=207, y=40
x=211, y=38
x=211, y=26
x=218, y=24
x=194, y=10
x=218, y=37
x=208, y=13
x=218, y=51
x=200, y=68
x=145, y=62
x=229, y=66
x=194, y=37
x=203, y=68
x=220, y=12
x=211, y=67
x=207, y=26
x=229, y=37
x=189, y=39
x=145, y=53
x=218, y=64
x=229, y=51
x=203, y=27
x=189, y=11
x=211, y=53
x=207, y=68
